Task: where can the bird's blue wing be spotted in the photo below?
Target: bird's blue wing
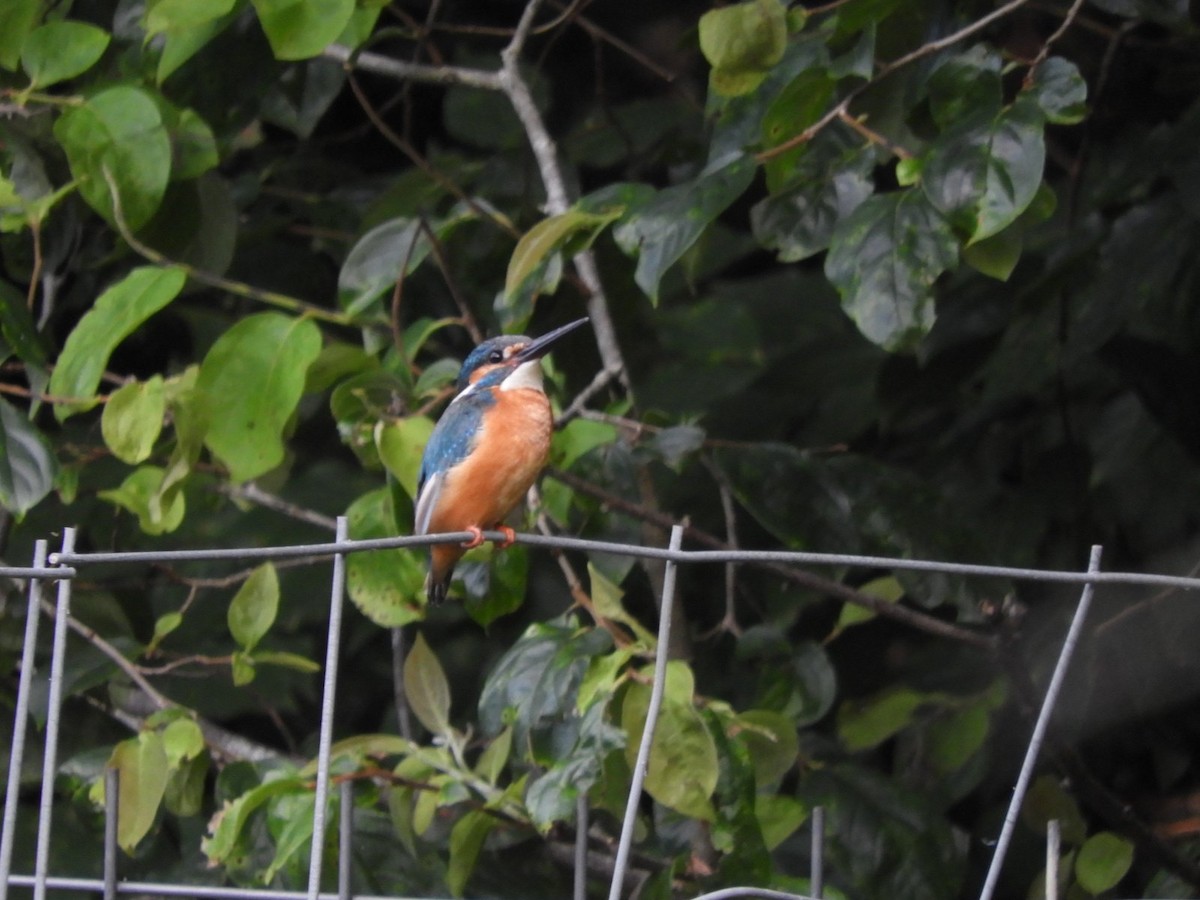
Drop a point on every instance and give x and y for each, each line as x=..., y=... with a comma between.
x=452, y=440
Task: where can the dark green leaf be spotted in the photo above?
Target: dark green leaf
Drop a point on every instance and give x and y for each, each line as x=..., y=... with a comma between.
x=866, y=723
x=552, y=797
x=982, y=174
x=1047, y=800
x=799, y=223
x=27, y=464
x=660, y=231
x=771, y=741
x=966, y=86
x=883, y=259
x=1059, y=91
x=115, y=315
x=18, y=329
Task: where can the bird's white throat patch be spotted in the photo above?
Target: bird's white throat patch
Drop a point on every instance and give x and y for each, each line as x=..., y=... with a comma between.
x=526, y=375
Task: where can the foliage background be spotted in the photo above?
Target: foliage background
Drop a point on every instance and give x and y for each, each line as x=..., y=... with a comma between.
x=914, y=279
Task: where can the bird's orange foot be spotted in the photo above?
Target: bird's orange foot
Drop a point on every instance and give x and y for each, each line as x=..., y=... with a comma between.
x=476, y=537
x=509, y=537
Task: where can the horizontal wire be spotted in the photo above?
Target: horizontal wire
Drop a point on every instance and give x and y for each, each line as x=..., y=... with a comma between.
x=562, y=542
x=166, y=889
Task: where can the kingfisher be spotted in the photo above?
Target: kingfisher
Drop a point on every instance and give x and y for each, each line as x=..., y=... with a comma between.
x=486, y=450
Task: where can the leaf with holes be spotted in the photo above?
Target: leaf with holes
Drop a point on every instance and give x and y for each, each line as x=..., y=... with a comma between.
x=27, y=464
x=254, y=375
x=426, y=688
x=115, y=315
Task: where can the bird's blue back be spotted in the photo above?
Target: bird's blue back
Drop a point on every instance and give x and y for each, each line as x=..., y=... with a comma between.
x=454, y=435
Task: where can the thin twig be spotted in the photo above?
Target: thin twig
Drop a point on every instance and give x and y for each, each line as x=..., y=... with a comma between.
x=254, y=494
x=1067, y=21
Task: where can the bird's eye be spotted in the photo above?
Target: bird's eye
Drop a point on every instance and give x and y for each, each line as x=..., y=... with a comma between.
x=496, y=356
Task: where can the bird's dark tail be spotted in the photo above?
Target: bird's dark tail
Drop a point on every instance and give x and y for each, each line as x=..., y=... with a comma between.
x=437, y=589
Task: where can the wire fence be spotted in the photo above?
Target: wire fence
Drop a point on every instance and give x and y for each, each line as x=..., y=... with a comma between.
x=61, y=568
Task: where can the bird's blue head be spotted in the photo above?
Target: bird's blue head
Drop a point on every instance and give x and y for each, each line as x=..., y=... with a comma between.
x=497, y=359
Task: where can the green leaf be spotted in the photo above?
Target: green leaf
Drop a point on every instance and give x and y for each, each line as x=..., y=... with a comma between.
x=225, y=828
x=163, y=626
x=981, y=175
x=182, y=740
x=883, y=259
x=378, y=259
x=184, y=42
x=1059, y=91
x=254, y=375
x=142, y=766
x=606, y=597
x=466, y=840
x=60, y=50
x=778, y=817
x=663, y=228
x=426, y=688
x=286, y=660
x=401, y=444
x=885, y=588
x=133, y=418
x=579, y=437
x=1047, y=800
x=193, y=145
x=17, y=19
x=119, y=131
x=27, y=464
x=184, y=795
x=115, y=315
x=966, y=85
x=800, y=222
x=298, y=29
x=683, y=767
x=742, y=42
x=548, y=237
x=996, y=256
x=386, y=585
x=955, y=737
x=1103, y=861
x=579, y=764
x=494, y=757
x=771, y=740
x=241, y=668
x=18, y=329
x=253, y=608
x=182, y=15
x=868, y=722
x=139, y=494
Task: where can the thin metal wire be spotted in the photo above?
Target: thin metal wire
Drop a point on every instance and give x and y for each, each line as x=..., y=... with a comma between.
x=62, y=614
x=579, y=891
x=563, y=542
x=656, y=695
x=112, y=811
x=1039, y=731
x=16, y=757
x=1053, y=848
x=816, y=881
x=38, y=570
x=329, y=690
x=345, y=837
x=166, y=889
x=768, y=893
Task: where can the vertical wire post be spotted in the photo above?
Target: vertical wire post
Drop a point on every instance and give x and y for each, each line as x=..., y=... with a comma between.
x=62, y=612
x=345, y=836
x=1039, y=730
x=1053, y=847
x=581, y=830
x=33, y=614
x=656, y=696
x=327, y=702
x=816, y=880
x=112, y=811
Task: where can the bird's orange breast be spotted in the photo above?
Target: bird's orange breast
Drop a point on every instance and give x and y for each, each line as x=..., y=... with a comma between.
x=511, y=449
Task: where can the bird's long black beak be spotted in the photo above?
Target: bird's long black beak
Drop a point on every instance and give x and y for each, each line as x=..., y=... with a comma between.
x=538, y=347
